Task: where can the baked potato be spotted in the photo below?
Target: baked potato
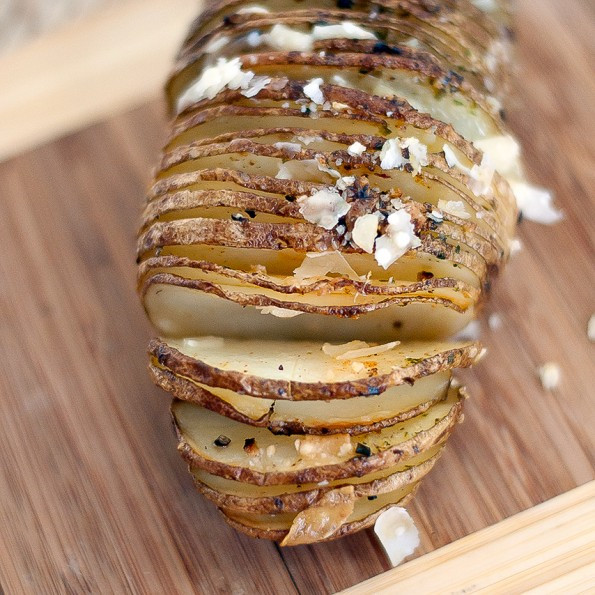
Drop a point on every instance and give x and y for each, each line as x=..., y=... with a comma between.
x=331, y=206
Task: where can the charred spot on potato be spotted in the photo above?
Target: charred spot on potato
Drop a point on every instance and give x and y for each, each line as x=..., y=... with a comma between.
x=250, y=446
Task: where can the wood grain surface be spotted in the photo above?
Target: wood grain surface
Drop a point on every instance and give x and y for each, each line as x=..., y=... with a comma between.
x=93, y=496
x=549, y=548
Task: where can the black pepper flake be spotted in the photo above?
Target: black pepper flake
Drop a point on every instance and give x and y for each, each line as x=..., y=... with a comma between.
x=278, y=503
x=222, y=441
x=237, y=217
x=251, y=213
x=409, y=381
x=451, y=358
x=289, y=198
x=397, y=324
x=383, y=48
x=373, y=390
x=362, y=449
x=408, y=168
x=365, y=70
x=372, y=497
x=458, y=249
x=441, y=255
x=281, y=367
x=345, y=4
x=249, y=444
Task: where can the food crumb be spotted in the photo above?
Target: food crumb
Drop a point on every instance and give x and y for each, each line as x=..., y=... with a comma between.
x=550, y=375
x=495, y=321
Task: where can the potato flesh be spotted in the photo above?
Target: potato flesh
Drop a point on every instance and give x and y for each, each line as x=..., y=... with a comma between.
x=200, y=428
x=336, y=414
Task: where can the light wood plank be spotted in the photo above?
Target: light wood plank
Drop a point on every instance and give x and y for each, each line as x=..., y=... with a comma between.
x=86, y=71
x=548, y=548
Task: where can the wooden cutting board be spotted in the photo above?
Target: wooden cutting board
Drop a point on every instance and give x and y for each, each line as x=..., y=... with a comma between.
x=93, y=496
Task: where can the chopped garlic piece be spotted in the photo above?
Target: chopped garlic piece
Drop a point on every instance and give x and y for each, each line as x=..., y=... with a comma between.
x=323, y=518
x=356, y=149
x=486, y=5
x=324, y=208
x=536, y=204
x=294, y=147
x=256, y=86
x=398, y=239
x=204, y=343
x=284, y=38
x=418, y=153
x=278, y=312
x=495, y=321
x=481, y=175
x=454, y=207
x=216, y=44
x=338, y=350
x=504, y=152
x=253, y=10
x=472, y=332
x=515, y=246
x=356, y=349
x=224, y=74
x=344, y=30
x=307, y=170
x=320, y=264
x=391, y=155
x=357, y=367
x=345, y=182
x=365, y=231
x=591, y=328
x=550, y=375
x=397, y=533
x=313, y=91
x=306, y=140
x=312, y=447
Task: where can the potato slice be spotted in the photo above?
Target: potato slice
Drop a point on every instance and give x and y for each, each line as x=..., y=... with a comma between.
x=303, y=370
x=182, y=312
x=348, y=416
x=242, y=497
x=248, y=455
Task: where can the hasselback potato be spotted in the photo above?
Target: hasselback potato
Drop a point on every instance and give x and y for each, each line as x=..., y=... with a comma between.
x=334, y=200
